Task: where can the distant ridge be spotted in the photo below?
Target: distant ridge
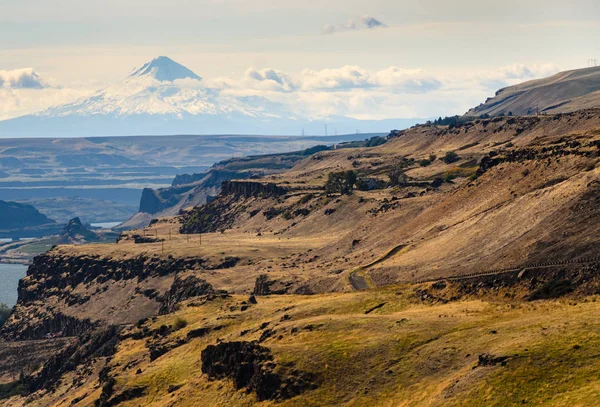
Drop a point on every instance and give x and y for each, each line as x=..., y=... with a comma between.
x=15, y=215
x=561, y=93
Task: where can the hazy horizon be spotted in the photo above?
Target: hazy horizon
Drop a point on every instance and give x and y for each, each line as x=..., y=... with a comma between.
x=363, y=60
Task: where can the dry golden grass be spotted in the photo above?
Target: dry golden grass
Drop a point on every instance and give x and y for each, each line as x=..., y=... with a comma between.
x=406, y=353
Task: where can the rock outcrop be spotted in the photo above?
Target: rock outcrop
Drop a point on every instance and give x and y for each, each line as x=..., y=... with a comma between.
x=182, y=289
x=251, y=367
x=249, y=189
x=56, y=284
x=77, y=232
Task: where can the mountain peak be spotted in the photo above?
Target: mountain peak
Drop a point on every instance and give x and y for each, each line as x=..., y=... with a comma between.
x=164, y=69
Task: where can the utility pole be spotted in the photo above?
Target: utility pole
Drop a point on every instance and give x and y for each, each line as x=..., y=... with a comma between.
x=325, y=130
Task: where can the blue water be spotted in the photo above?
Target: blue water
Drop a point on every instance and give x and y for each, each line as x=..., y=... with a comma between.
x=106, y=225
x=10, y=274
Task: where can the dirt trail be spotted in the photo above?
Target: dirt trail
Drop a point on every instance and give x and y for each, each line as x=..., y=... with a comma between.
x=359, y=281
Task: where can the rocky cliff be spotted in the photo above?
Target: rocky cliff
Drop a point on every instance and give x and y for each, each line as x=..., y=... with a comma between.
x=65, y=295
x=190, y=190
x=249, y=189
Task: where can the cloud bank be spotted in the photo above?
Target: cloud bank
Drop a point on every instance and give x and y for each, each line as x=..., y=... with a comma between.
x=25, y=78
x=351, y=90
x=394, y=79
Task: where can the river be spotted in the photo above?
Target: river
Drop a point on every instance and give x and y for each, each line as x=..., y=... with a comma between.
x=10, y=274
x=106, y=225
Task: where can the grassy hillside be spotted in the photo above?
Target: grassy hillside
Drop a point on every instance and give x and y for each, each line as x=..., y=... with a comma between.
x=561, y=93
x=484, y=351
x=463, y=269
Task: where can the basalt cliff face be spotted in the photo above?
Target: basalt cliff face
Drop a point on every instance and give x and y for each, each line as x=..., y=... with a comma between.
x=457, y=243
x=189, y=190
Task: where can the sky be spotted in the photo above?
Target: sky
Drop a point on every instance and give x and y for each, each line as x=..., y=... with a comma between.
x=370, y=59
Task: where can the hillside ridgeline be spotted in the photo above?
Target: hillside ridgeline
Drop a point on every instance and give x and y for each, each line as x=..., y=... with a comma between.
x=438, y=268
x=564, y=92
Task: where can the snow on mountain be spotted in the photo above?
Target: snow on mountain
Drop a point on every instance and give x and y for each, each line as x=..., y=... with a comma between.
x=165, y=69
x=160, y=87
x=163, y=97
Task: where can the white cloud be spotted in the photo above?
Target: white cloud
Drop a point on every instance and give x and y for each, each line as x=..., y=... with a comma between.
x=25, y=78
x=269, y=79
x=394, y=79
x=367, y=21
x=513, y=74
x=352, y=91
x=348, y=26
x=23, y=101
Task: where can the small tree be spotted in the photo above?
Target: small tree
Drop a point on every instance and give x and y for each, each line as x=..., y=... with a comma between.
x=437, y=182
x=341, y=182
x=451, y=157
x=397, y=176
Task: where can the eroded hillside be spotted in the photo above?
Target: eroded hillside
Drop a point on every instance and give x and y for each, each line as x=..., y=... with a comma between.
x=451, y=265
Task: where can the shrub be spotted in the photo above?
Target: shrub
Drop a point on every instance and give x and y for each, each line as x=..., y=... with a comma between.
x=341, y=182
x=397, y=177
x=305, y=199
x=449, y=177
x=451, y=157
x=4, y=313
x=424, y=162
x=437, y=182
x=375, y=141
x=432, y=157
x=302, y=212
x=552, y=289
x=180, y=323
x=270, y=213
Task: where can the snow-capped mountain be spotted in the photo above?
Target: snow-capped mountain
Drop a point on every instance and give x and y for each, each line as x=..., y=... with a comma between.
x=165, y=97
x=160, y=87
x=164, y=69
